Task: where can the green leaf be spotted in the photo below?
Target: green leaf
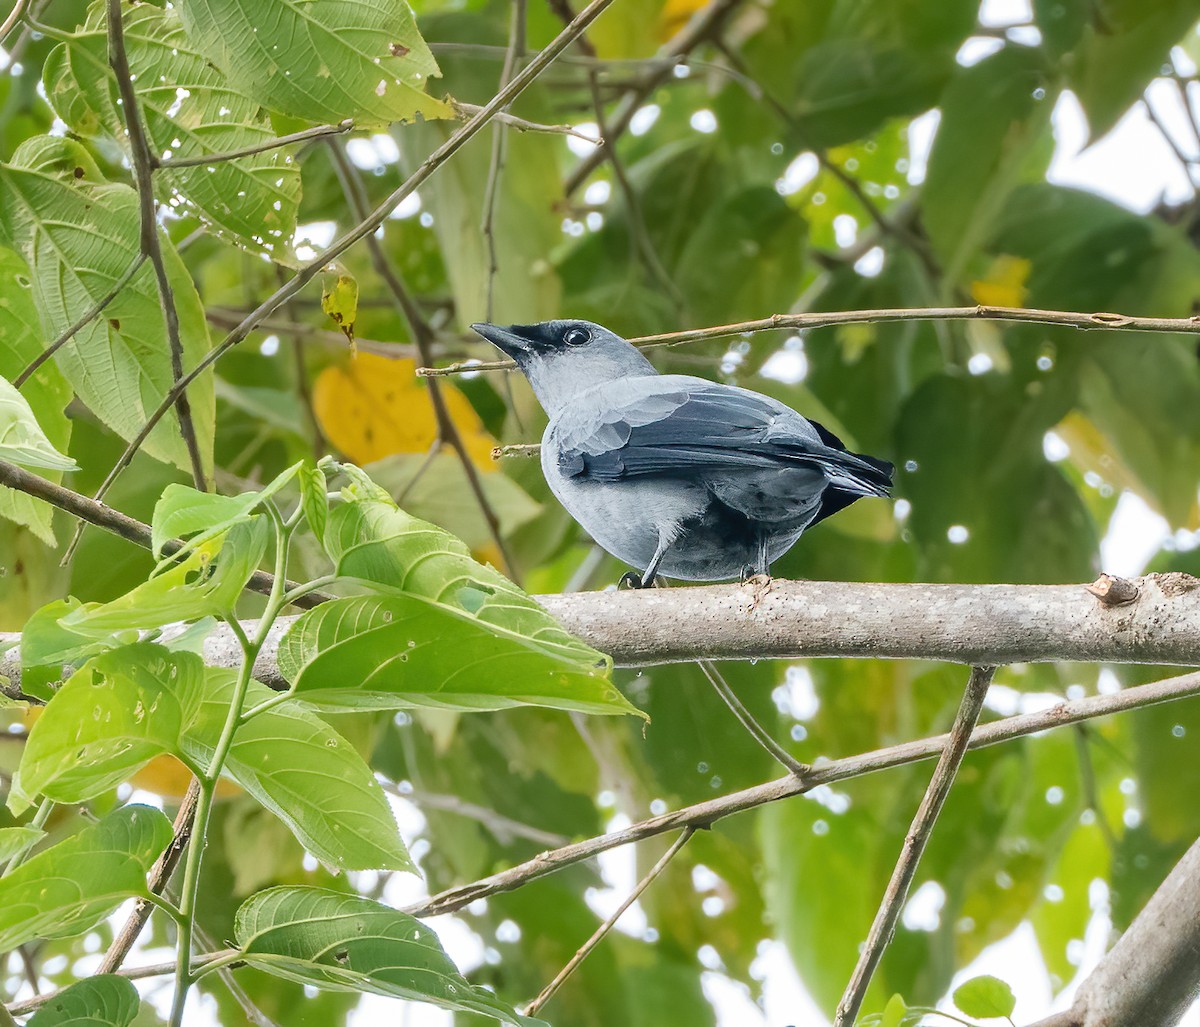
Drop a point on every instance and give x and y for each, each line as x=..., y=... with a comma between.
x=71, y=886
x=111, y=717
x=17, y=839
x=395, y=652
x=976, y=162
x=1123, y=47
x=47, y=392
x=183, y=511
x=190, y=110
x=321, y=60
x=105, y=1000
x=80, y=235
x=301, y=769
x=314, y=498
x=985, y=997
x=348, y=943
x=22, y=440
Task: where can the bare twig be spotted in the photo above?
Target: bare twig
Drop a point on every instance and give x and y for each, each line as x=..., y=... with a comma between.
x=702, y=25
x=106, y=517
x=516, y=45
x=160, y=874
x=137, y=973
x=423, y=337
x=14, y=16
x=503, y=828
x=324, y=336
x=92, y=313
x=202, y=160
x=466, y=110
x=705, y=814
x=884, y=925
x=746, y=719
x=1099, y=321
x=143, y=161
x=365, y=228
x=586, y=948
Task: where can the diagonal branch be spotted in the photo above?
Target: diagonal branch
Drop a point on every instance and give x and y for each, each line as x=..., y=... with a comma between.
x=586, y=948
x=705, y=814
x=203, y=160
x=307, y=272
x=1099, y=321
x=143, y=172
x=746, y=719
x=884, y=925
x=423, y=337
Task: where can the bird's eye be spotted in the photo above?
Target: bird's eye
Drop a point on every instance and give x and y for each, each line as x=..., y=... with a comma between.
x=576, y=336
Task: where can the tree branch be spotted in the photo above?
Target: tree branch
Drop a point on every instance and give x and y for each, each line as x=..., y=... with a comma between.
x=202, y=160
x=1152, y=975
x=307, y=272
x=705, y=814
x=143, y=162
x=1099, y=321
x=746, y=719
x=584, y=949
x=884, y=925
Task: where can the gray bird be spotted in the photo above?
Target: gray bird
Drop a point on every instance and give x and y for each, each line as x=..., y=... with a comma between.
x=677, y=475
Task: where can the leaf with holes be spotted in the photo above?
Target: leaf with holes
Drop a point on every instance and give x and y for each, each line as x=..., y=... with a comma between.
x=80, y=235
x=322, y=60
x=306, y=773
x=105, y=1000
x=71, y=886
x=190, y=110
x=46, y=391
x=349, y=943
x=112, y=716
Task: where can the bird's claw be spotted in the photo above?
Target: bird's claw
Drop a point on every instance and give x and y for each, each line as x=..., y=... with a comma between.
x=630, y=580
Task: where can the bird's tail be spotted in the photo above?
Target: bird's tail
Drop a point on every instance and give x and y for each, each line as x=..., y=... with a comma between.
x=860, y=475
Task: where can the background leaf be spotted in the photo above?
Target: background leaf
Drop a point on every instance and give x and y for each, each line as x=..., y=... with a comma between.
x=104, y=1000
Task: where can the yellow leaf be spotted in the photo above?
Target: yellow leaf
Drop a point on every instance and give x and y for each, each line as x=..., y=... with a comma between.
x=1004, y=283
x=339, y=299
x=373, y=407
x=675, y=14
x=166, y=776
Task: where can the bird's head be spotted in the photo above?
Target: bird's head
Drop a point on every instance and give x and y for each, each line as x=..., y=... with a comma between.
x=563, y=358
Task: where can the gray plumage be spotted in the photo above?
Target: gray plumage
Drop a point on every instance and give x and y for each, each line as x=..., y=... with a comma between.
x=674, y=474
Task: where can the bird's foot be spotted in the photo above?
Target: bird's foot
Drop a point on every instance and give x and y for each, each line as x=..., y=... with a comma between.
x=631, y=580
x=750, y=576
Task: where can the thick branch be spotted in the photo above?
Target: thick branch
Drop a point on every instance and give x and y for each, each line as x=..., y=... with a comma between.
x=1152, y=974
x=1098, y=321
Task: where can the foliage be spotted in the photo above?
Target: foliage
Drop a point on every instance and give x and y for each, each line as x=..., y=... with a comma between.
x=781, y=170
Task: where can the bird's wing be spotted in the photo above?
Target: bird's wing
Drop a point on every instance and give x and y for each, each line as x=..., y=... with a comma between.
x=678, y=426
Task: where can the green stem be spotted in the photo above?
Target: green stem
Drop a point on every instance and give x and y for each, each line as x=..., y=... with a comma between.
x=310, y=586
x=266, y=704
x=38, y=821
x=184, y=977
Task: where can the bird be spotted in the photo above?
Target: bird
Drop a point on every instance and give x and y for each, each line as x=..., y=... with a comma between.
x=675, y=475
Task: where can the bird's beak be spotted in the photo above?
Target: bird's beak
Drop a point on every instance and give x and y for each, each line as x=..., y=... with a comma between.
x=503, y=338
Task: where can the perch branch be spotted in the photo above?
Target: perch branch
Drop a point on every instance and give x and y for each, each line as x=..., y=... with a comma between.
x=884, y=924
x=1099, y=321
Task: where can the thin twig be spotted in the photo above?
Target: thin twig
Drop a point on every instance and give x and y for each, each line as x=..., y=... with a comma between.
x=365, y=228
x=702, y=25
x=13, y=17
x=202, y=160
x=516, y=41
x=324, y=336
x=126, y=527
x=467, y=110
x=746, y=719
x=586, y=948
x=503, y=828
x=143, y=161
x=92, y=313
x=137, y=973
x=423, y=336
x=705, y=814
x=1098, y=321
x=884, y=925
x=160, y=875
